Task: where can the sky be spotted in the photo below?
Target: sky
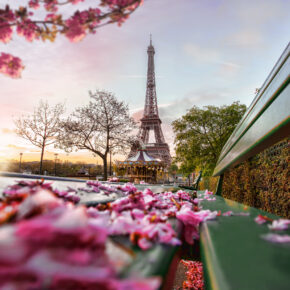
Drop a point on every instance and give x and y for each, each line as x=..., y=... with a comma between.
x=208, y=52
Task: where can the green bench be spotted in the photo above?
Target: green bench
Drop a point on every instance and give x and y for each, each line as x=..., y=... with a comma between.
x=233, y=252
x=195, y=182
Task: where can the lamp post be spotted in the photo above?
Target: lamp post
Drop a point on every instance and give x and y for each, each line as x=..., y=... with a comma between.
x=110, y=163
x=20, y=159
x=55, y=159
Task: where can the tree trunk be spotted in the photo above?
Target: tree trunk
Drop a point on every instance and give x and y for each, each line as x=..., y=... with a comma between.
x=41, y=159
x=105, y=167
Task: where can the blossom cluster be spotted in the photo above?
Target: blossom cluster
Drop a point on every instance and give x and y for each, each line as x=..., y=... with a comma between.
x=25, y=22
x=50, y=241
x=194, y=275
x=10, y=65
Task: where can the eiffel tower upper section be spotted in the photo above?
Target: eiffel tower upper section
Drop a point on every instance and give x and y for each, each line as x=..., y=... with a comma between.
x=150, y=120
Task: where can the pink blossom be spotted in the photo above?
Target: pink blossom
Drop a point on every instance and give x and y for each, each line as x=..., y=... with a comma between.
x=42, y=201
x=162, y=232
x=211, y=199
x=10, y=65
x=114, y=179
x=77, y=24
x=11, y=249
x=147, y=192
x=228, y=213
x=137, y=213
x=75, y=31
x=279, y=225
x=152, y=283
x=34, y=4
x=51, y=5
x=191, y=221
x=7, y=17
x=208, y=192
x=75, y=1
x=147, y=235
x=241, y=213
x=260, y=219
x=57, y=268
x=129, y=187
x=144, y=243
x=275, y=238
x=60, y=193
x=188, y=216
x=72, y=197
x=28, y=29
x=94, y=183
x=122, y=225
x=5, y=32
x=183, y=195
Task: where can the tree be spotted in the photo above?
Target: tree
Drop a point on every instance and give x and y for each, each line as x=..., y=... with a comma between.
x=48, y=23
x=173, y=169
x=41, y=127
x=101, y=127
x=202, y=133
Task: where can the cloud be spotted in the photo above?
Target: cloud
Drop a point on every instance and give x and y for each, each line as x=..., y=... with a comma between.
x=180, y=106
x=206, y=55
x=249, y=38
x=255, y=21
x=201, y=54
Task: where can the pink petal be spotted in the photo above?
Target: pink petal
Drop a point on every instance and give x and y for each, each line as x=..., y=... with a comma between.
x=275, y=238
x=279, y=225
x=144, y=244
x=152, y=283
x=260, y=219
x=227, y=213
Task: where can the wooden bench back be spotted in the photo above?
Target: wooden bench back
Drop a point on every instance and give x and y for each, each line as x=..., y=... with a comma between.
x=265, y=122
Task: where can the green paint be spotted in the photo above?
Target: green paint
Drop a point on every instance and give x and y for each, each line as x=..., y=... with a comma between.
x=234, y=254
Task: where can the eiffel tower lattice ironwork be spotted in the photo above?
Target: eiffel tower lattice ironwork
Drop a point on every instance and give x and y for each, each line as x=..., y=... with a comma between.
x=150, y=120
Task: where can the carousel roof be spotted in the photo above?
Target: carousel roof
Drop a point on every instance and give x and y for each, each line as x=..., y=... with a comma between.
x=142, y=155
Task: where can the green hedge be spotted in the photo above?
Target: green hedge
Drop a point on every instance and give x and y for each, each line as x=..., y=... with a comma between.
x=208, y=182
x=262, y=181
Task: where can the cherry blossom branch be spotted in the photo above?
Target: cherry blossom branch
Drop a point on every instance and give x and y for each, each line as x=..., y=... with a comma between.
x=75, y=27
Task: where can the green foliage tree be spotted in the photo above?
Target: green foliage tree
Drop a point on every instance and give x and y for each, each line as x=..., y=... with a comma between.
x=173, y=169
x=201, y=134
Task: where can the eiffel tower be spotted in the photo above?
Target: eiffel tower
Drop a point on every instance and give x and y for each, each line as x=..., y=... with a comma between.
x=150, y=120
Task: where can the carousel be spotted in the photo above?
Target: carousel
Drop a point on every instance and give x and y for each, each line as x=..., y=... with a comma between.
x=141, y=168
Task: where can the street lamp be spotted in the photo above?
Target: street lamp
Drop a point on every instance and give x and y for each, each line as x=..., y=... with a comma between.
x=55, y=159
x=110, y=163
x=20, y=159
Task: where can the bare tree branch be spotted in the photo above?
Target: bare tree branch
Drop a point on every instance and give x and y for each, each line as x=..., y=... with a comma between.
x=42, y=127
x=101, y=127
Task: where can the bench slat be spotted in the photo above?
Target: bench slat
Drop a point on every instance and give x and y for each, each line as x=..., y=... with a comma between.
x=234, y=254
